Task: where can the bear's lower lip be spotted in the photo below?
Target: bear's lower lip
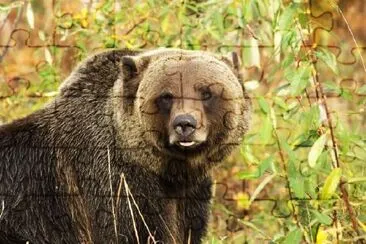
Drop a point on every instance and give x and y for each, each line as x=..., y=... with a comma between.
x=186, y=143
x=186, y=148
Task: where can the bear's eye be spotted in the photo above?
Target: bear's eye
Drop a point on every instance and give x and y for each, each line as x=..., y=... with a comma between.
x=206, y=94
x=165, y=101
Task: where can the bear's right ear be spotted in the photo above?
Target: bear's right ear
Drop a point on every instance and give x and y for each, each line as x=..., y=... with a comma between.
x=132, y=68
x=133, y=65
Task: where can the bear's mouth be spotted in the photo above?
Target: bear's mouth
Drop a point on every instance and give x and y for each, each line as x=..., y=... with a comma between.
x=186, y=144
x=185, y=147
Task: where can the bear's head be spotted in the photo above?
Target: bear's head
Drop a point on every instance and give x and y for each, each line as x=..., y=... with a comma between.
x=190, y=104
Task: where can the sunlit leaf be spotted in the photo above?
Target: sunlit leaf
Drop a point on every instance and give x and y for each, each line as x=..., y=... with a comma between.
x=316, y=150
x=331, y=184
x=251, y=85
x=287, y=18
x=48, y=56
x=356, y=180
x=261, y=186
x=363, y=226
x=321, y=236
x=280, y=102
x=251, y=56
x=30, y=15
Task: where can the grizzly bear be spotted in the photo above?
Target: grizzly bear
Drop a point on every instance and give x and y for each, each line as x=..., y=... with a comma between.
x=124, y=152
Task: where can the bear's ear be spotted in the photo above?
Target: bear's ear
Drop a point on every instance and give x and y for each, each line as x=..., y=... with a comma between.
x=232, y=59
x=132, y=66
x=132, y=69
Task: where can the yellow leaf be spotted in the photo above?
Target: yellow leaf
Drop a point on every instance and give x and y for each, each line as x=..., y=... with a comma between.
x=321, y=236
x=331, y=184
x=363, y=226
x=84, y=23
x=84, y=12
x=166, y=24
x=242, y=201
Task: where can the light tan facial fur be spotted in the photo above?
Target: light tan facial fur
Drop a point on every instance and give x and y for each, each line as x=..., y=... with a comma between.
x=185, y=76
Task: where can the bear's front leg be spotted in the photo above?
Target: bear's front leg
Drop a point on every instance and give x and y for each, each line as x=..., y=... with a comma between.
x=195, y=212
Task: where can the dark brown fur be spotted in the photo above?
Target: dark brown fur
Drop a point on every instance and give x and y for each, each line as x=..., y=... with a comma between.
x=103, y=135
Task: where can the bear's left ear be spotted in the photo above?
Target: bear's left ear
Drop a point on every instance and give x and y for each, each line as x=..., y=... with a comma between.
x=132, y=69
x=232, y=59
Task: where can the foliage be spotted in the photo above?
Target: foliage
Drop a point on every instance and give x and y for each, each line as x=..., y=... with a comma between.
x=299, y=175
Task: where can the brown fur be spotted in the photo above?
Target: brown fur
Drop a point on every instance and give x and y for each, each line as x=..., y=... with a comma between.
x=105, y=129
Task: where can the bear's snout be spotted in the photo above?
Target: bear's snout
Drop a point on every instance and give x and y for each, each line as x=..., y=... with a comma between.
x=186, y=130
x=184, y=125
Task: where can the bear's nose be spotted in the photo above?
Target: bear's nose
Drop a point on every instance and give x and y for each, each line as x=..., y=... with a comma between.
x=184, y=125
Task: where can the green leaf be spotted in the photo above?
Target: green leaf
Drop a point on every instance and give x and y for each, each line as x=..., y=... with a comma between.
x=362, y=90
x=288, y=60
x=6, y=7
x=332, y=87
x=287, y=18
x=322, y=218
x=331, y=184
x=356, y=180
x=293, y=237
x=328, y=58
x=263, y=105
x=299, y=78
x=304, y=20
x=296, y=180
x=266, y=130
x=316, y=150
x=280, y=102
x=247, y=154
x=265, y=164
x=297, y=183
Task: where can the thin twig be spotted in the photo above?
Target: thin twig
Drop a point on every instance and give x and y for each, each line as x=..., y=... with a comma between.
x=128, y=31
x=353, y=37
x=131, y=210
x=129, y=193
x=112, y=201
x=167, y=227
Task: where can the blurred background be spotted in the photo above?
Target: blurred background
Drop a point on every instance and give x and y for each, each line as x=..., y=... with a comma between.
x=300, y=174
